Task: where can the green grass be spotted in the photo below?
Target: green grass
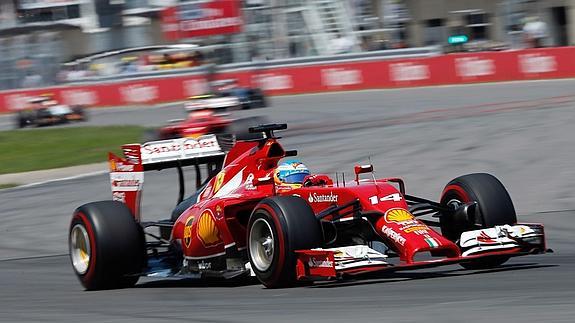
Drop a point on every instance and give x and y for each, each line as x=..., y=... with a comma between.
x=8, y=185
x=36, y=149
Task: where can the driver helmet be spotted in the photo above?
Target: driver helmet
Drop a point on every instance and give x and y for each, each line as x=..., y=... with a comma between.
x=290, y=174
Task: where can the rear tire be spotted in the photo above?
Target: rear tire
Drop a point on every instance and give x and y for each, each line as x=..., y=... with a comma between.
x=494, y=207
x=21, y=122
x=277, y=227
x=81, y=112
x=23, y=119
x=107, y=246
x=259, y=99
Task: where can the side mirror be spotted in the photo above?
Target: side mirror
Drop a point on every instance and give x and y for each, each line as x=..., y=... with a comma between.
x=362, y=169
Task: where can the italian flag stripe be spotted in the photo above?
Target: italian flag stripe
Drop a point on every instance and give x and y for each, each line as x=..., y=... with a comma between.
x=431, y=242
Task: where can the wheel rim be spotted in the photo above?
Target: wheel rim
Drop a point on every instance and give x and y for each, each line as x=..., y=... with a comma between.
x=80, y=249
x=454, y=203
x=261, y=244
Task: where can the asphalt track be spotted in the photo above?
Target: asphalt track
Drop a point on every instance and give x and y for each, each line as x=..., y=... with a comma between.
x=521, y=132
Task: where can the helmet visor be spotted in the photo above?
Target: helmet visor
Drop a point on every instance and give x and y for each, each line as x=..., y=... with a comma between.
x=296, y=178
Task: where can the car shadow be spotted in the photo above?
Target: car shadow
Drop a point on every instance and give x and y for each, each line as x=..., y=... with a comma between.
x=198, y=283
x=394, y=277
x=368, y=279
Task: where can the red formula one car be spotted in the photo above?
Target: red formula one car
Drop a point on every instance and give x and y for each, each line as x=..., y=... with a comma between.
x=207, y=114
x=242, y=222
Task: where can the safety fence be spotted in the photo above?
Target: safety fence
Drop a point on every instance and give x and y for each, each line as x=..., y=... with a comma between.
x=529, y=64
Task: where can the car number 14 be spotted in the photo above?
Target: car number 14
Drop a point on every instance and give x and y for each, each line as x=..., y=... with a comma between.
x=396, y=197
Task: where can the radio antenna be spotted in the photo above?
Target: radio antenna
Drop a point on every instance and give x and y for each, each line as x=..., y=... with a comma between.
x=372, y=169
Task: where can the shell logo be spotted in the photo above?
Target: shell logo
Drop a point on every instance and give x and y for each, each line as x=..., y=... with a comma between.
x=188, y=232
x=219, y=181
x=208, y=231
x=112, y=165
x=397, y=215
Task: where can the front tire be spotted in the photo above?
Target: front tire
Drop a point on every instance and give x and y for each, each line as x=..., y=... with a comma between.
x=494, y=207
x=107, y=246
x=277, y=228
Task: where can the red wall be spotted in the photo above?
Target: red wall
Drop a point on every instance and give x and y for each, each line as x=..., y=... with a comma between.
x=528, y=64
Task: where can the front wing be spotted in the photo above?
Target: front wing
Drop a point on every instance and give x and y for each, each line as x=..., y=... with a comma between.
x=507, y=240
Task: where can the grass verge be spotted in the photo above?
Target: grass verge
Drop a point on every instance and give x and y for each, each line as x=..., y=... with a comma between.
x=37, y=149
x=8, y=185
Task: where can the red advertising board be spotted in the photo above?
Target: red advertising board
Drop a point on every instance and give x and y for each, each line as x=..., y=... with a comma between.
x=198, y=19
x=528, y=64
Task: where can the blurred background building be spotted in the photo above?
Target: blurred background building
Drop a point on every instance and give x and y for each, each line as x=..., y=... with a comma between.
x=36, y=36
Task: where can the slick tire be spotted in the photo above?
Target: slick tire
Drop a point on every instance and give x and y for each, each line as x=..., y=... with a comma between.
x=494, y=207
x=23, y=119
x=21, y=122
x=106, y=245
x=277, y=227
x=259, y=99
x=81, y=112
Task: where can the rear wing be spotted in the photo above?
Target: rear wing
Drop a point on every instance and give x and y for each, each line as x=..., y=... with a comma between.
x=213, y=103
x=127, y=173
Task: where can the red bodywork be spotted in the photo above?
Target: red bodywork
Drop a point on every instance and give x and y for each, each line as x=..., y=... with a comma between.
x=216, y=224
x=197, y=123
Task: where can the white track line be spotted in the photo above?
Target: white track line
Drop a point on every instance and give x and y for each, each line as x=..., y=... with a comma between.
x=101, y=172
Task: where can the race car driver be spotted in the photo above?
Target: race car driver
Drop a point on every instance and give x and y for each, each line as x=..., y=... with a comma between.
x=292, y=174
x=289, y=175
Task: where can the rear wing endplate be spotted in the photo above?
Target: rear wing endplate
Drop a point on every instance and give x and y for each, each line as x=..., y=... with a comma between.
x=127, y=173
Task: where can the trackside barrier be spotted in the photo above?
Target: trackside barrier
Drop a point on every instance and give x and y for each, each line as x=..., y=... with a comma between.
x=546, y=63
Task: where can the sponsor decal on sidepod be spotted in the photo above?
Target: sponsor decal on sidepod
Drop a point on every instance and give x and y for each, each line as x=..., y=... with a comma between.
x=323, y=198
x=207, y=230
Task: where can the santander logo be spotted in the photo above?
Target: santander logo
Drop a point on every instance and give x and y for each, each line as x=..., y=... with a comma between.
x=333, y=77
x=537, y=63
x=139, y=93
x=474, y=66
x=195, y=87
x=409, y=71
x=323, y=263
x=80, y=97
x=323, y=198
x=273, y=81
x=17, y=101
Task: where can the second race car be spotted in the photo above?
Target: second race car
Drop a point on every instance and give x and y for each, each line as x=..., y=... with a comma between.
x=45, y=110
x=248, y=98
x=207, y=114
